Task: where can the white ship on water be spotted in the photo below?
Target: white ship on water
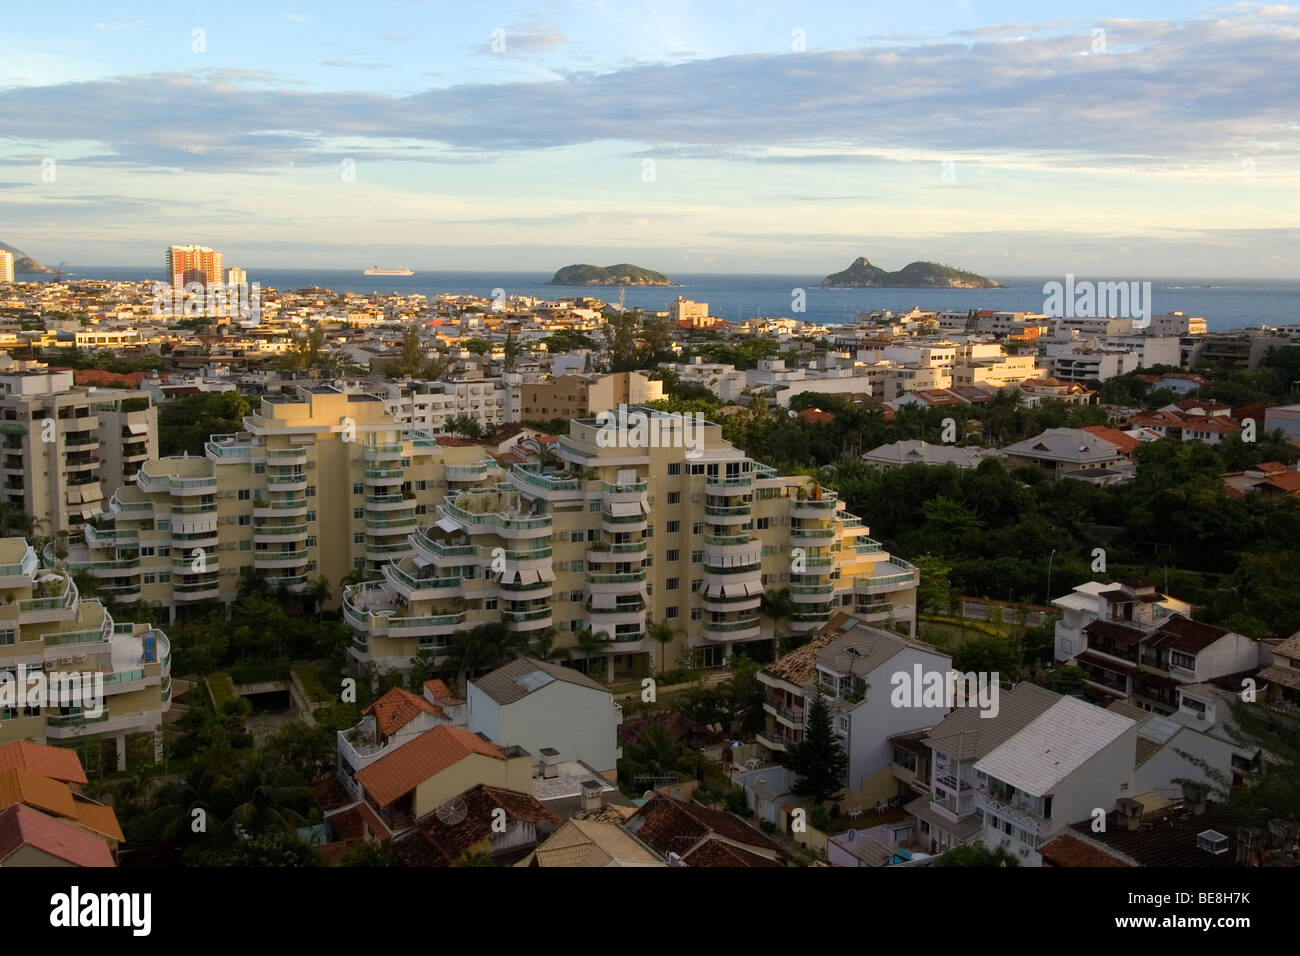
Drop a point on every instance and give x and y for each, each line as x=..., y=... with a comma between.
x=376, y=271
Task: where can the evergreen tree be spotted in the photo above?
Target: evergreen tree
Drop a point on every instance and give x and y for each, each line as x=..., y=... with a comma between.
x=819, y=762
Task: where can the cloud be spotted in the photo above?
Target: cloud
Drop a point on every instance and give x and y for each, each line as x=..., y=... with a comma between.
x=1173, y=98
x=355, y=65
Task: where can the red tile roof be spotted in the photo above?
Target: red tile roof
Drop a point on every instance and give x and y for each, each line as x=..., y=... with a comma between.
x=675, y=826
x=398, y=708
x=1069, y=850
x=22, y=826
x=435, y=843
x=1127, y=443
x=54, y=762
x=440, y=692
x=42, y=793
x=422, y=758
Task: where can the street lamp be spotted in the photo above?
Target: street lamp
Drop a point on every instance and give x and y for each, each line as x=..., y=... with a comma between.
x=1050, y=558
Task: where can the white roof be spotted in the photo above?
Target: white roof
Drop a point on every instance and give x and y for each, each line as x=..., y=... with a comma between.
x=1078, y=599
x=1053, y=745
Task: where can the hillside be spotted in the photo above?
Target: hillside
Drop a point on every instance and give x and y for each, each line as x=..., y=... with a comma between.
x=915, y=275
x=622, y=274
x=25, y=264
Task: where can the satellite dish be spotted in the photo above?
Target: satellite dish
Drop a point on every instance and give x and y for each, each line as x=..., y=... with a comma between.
x=648, y=795
x=453, y=811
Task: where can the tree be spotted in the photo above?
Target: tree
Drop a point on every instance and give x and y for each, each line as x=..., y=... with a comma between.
x=1070, y=680
x=663, y=634
x=819, y=762
x=777, y=607
x=589, y=647
x=408, y=364
x=474, y=858
x=650, y=752
x=464, y=425
x=976, y=854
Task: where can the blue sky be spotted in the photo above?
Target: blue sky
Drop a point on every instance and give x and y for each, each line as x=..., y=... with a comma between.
x=1012, y=138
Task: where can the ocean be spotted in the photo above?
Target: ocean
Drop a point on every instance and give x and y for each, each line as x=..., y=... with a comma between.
x=1224, y=303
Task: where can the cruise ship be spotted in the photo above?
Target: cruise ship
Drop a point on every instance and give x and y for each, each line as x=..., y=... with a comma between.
x=376, y=271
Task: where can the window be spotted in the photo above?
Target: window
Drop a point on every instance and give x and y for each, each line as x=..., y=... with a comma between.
x=6, y=638
x=421, y=509
x=358, y=562
x=697, y=469
x=358, y=513
x=673, y=555
x=259, y=468
x=358, y=489
x=695, y=585
x=674, y=527
x=164, y=577
x=697, y=557
x=148, y=578
x=490, y=604
x=674, y=497
x=763, y=524
x=245, y=546
x=672, y=584
x=577, y=537
x=697, y=614
x=697, y=528
x=245, y=520
x=1185, y=661
x=245, y=494
x=594, y=505
x=358, y=538
x=575, y=597
x=146, y=552
x=578, y=566
x=311, y=541
x=311, y=516
x=674, y=469
x=164, y=552
x=671, y=613
x=421, y=485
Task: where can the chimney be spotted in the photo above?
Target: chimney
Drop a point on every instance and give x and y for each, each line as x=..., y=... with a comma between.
x=550, y=763
x=1194, y=798
x=1129, y=813
x=592, y=795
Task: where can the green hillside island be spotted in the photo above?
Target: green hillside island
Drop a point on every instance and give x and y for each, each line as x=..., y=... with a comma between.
x=622, y=274
x=26, y=265
x=915, y=275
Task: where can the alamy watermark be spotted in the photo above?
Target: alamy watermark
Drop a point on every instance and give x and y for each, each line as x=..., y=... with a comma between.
x=630, y=428
x=238, y=300
x=922, y=688
x=1098, y=300
x=33, y=688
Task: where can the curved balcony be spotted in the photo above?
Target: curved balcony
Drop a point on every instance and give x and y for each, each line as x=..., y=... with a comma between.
x=439, y=552
x=198, y=537
x=382, y=451
x=175, y=484
x=400, y=577
x=808, y=620
x=729, y=484
x=286, y=456
x=476, y=472
x=532, y=619
x=268, y=533
x=608, y=618
x=388, y=502
x=811, y=593
x=816, y=537
x=716, y=604
x=734, y=629
x=814, y=508
x=512, y=524
x=892, y=575
x=279, y=559
x=292, y=482
x=196, y=591
x=561, y=487
x=296, y=507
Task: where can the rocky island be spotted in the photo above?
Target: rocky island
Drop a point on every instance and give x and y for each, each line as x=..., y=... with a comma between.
x=622, y=274
x=26, y=265
x=915, y=275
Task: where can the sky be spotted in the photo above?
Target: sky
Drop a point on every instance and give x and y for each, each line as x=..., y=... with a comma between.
x=1019, y=138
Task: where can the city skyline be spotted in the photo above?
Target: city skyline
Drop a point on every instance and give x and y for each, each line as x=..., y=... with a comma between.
x=524, y=138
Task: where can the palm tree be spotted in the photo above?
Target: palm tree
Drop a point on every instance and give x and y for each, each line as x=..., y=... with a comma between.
x=590, y=645
x=319, y=590
x=655, y=753
x=542, y=647
x=663, y=633
x=777, y=607
x=473, y=858
x=266, y=792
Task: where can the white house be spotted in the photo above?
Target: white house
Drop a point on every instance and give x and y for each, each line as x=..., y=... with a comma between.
x=540, y=706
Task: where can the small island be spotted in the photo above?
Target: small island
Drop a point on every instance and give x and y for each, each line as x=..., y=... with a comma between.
x=915, y=275
x=26, y=265
x=622, y=274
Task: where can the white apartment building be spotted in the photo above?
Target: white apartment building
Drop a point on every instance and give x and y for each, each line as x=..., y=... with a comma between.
x=66, y=447
x=632, y=531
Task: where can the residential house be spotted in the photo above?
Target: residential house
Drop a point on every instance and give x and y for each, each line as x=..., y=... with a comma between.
x=1071, y=453
x=540, y=706
x=503, y=823
x=689, y=834
x=586, y=843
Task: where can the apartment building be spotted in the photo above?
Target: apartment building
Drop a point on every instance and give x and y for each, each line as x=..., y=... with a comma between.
x=6, y=266
x=578, y=396
x=103, y=679
x=1137, y=644
x=652, y=519
x=65, y=446
x=430, y=407
x=321, y=482
x=186, y=264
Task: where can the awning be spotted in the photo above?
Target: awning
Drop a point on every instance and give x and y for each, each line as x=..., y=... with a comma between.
x=74, y=494
x=546, y=574
x=604, y=601
x=753, y=588
x=92, y=492
x=448, y=525
x=138, y=428
x=508, y=577
x=91, y=512
x=622, y=509
x=11, y=429
x=529, y=576
x=422, y=562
